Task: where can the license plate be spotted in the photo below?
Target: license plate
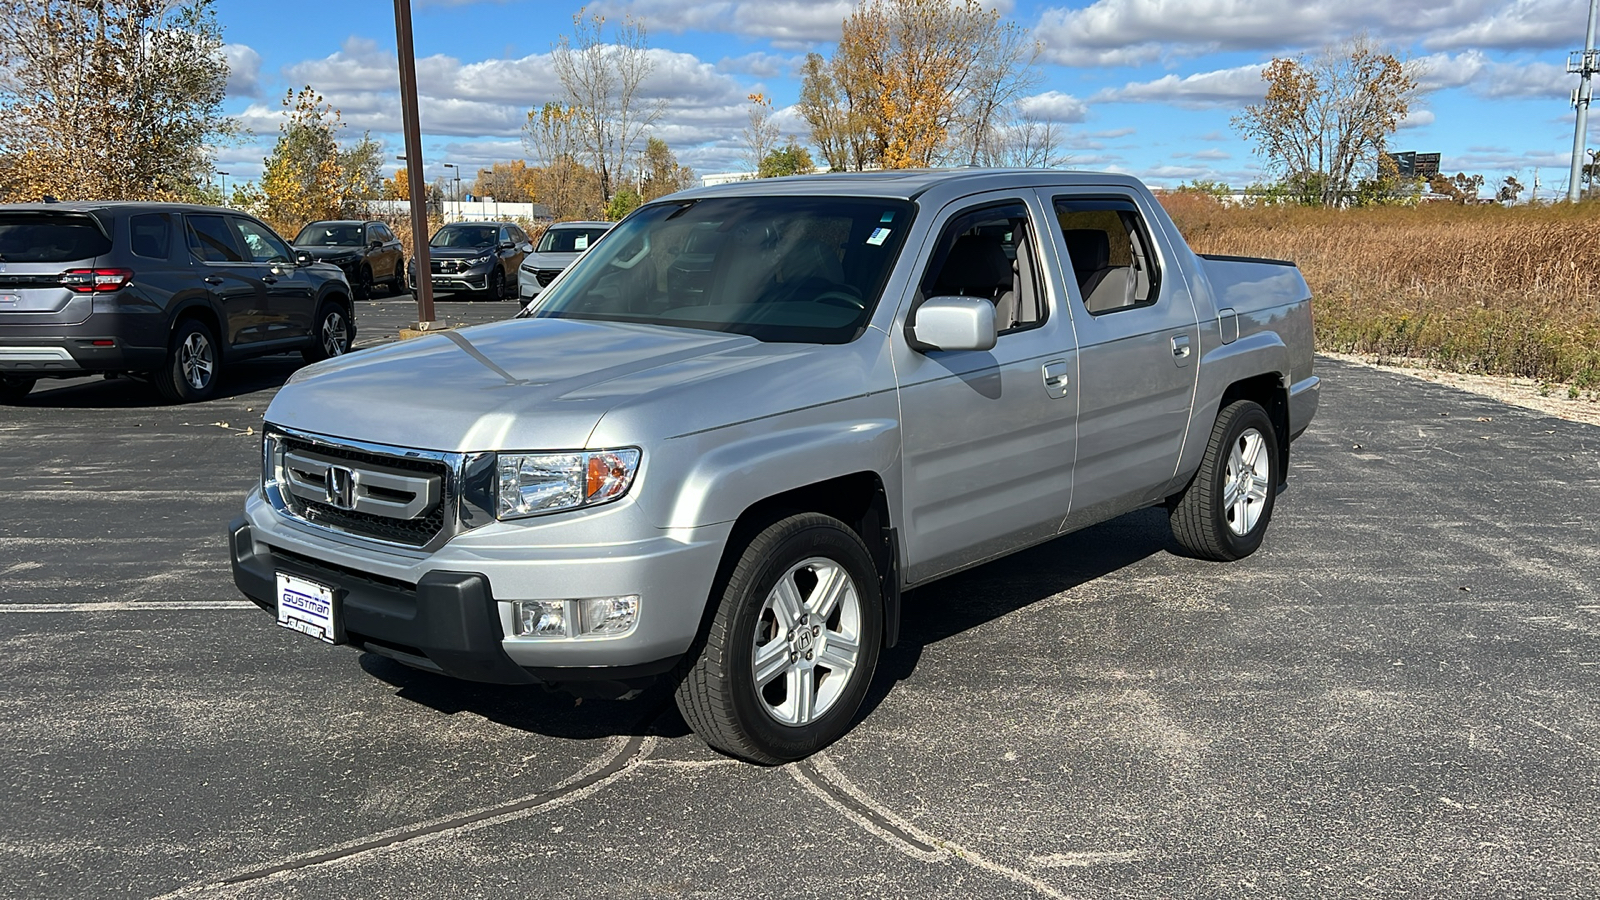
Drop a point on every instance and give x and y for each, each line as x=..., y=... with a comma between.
x=306, y=607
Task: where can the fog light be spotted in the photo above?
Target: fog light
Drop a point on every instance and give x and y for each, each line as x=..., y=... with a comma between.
x=610, y=615
x=541, y=618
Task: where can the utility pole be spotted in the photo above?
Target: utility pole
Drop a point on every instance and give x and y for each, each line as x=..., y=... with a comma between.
x=1584, y=66
x=418, y=187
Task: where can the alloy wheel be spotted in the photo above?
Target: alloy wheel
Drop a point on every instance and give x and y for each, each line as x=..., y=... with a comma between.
x=807, y=641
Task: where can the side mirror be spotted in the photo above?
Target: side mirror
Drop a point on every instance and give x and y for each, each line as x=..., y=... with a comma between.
x=507, y=245
x=302, y=258
x=375, y=243
x=954, y=323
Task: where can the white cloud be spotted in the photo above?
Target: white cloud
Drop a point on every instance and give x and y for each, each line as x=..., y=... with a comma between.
x=1129, y=32
x=244, y=70
x=787, y=23
x=1417, y=118
x=1054, y=106
x=761, y=65
x=1225, y=87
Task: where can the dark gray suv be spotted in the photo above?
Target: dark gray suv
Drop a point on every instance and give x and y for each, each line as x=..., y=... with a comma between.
x=164, y=291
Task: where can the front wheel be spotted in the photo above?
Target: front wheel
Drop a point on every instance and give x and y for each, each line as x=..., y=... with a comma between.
x=793, y=646
x=193, y=366
x=397, y=282
x=497, y=285
x=1223, y=513
x=361, y=287
x=331, y=335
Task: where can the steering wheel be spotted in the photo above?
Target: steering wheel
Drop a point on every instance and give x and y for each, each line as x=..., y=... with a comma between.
x=841, y=298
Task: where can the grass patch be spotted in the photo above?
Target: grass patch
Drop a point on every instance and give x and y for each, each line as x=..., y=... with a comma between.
x=1464, y=288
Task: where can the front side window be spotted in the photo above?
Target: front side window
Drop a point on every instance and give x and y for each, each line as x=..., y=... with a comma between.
x=989, y=253
x=261, y=245
x=1111, y=254
x=211, y=240
x=782, y=269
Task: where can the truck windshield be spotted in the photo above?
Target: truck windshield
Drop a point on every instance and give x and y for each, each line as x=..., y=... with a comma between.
x=781, y=269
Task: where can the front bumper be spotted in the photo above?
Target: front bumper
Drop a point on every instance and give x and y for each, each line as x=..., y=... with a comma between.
x=448, y=282
x=451, y=611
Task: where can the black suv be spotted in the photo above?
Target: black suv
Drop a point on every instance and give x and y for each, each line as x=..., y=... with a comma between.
x=481, y=257
x=164, y=291
x=368, y=252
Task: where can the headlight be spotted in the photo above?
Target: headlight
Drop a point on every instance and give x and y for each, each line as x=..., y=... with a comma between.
x=532, y=484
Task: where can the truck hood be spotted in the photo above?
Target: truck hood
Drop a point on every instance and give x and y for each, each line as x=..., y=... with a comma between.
x=519, y=384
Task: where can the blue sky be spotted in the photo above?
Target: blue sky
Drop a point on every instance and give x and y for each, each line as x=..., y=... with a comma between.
x=1140, y=86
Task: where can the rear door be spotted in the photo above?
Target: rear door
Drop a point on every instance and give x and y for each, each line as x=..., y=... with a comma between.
x=291, y=294
x=233, y=282
x=1138, y=339
x=37, y=251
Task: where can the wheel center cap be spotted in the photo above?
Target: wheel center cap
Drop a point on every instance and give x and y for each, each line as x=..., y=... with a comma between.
x=802, y=639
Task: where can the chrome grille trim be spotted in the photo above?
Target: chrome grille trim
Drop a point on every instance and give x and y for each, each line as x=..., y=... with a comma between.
x=414, y=500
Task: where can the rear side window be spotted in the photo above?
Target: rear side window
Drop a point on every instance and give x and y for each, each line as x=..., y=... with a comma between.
x=211, y=240
x=1112, y=257
x=382, y=232
x=150, y=235
x=50, y=238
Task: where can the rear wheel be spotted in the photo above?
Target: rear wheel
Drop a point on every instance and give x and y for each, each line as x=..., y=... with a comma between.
x=193, y=366
x=331, y=334
x=791, y=651
x=12, y=390
x=1223, y=513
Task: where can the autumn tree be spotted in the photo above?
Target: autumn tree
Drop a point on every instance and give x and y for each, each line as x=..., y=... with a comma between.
x=915, y=83
x=1510, y=189
x=601, y=75
x=507, y=182
x=309, y=175
x=761, y=134
x=398, y=185
x=1327, y=119
x=1460, y=188
x=790, y=159
x=112, y=99
x=661, y=174
x=563, y=183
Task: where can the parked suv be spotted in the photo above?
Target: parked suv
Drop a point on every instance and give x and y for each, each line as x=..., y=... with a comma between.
x=367, y=252
x=480, y=257
x=557, y=248
x=169, y=292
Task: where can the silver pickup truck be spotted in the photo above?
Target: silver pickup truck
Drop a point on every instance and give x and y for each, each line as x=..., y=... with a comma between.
x=725, y=442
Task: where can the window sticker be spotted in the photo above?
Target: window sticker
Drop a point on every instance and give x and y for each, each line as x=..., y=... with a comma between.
x=582, y=243
x=879, y=235
x=887, y=217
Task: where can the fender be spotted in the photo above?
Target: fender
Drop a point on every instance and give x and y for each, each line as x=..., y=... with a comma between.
x=1261, y=353
x=202, y=300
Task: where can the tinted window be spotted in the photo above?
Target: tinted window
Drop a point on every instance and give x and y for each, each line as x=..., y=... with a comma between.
x=569, y=240
x=329, y=234
x=1109, y=248
x=381, y=232
x=50, y=238
x=468, y=236
x=211, y=240
x=988, y=253
x=801, y=269
x=261, y=245
x=150, y=235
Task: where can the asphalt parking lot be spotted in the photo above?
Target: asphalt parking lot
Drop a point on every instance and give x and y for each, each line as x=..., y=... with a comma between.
x=1394, y=697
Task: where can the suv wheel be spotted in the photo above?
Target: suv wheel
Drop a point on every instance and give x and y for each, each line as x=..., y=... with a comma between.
x=362, y=286
x=497, y=285
x=331, y=336
x=193, y=364
x=397, y=283
x=1223, y=513
x=12, y=390
x=791, y=651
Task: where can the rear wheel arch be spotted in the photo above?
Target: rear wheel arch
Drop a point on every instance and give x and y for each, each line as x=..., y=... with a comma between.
x=203, y=312
x=1270, y=391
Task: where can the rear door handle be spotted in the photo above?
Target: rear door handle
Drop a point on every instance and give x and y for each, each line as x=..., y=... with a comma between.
x=1180, y=350
x=270, y=279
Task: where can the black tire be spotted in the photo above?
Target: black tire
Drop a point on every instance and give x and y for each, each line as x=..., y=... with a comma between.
x=361, y=285
x=1203, y=519
x=12, y=390
x=719, y=694
x=194, y=364
x=330, y=332
x=497, y=285
x=397, y=282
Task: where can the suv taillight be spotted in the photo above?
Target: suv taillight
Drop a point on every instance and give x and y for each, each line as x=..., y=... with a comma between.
x=96, y=281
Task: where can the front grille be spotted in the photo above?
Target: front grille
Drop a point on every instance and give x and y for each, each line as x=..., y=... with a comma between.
x=446, y=266
x=546, y=276
x=414, y=532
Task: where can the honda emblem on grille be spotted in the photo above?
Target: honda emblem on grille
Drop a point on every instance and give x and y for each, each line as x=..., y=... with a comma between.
x=341, y=487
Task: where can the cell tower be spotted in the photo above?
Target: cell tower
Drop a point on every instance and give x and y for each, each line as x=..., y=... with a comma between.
x=1583, y=65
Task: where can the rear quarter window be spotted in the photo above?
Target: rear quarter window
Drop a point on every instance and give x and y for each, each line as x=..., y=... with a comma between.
x=50, y=238
x=150, y=235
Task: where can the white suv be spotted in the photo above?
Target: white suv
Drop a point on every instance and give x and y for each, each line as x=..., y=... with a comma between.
x=557, y=248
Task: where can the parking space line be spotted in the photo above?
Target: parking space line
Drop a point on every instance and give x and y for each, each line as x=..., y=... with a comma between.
x=819, y=775
x=600, y=773
x=123, y=606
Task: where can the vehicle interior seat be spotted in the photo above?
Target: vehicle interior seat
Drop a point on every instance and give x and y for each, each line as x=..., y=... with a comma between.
x=978, y=267
x=1103, y=286
x=807, y=271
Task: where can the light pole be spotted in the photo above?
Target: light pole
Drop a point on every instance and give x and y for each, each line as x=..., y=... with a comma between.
x=1583, y=65
x=224, y=187
x=458, y=186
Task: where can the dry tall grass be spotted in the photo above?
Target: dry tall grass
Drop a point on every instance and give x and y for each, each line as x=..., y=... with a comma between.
x=1482, y=289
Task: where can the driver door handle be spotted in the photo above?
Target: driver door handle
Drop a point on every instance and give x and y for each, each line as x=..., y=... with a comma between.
x=213, y=279
x=270, y=279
